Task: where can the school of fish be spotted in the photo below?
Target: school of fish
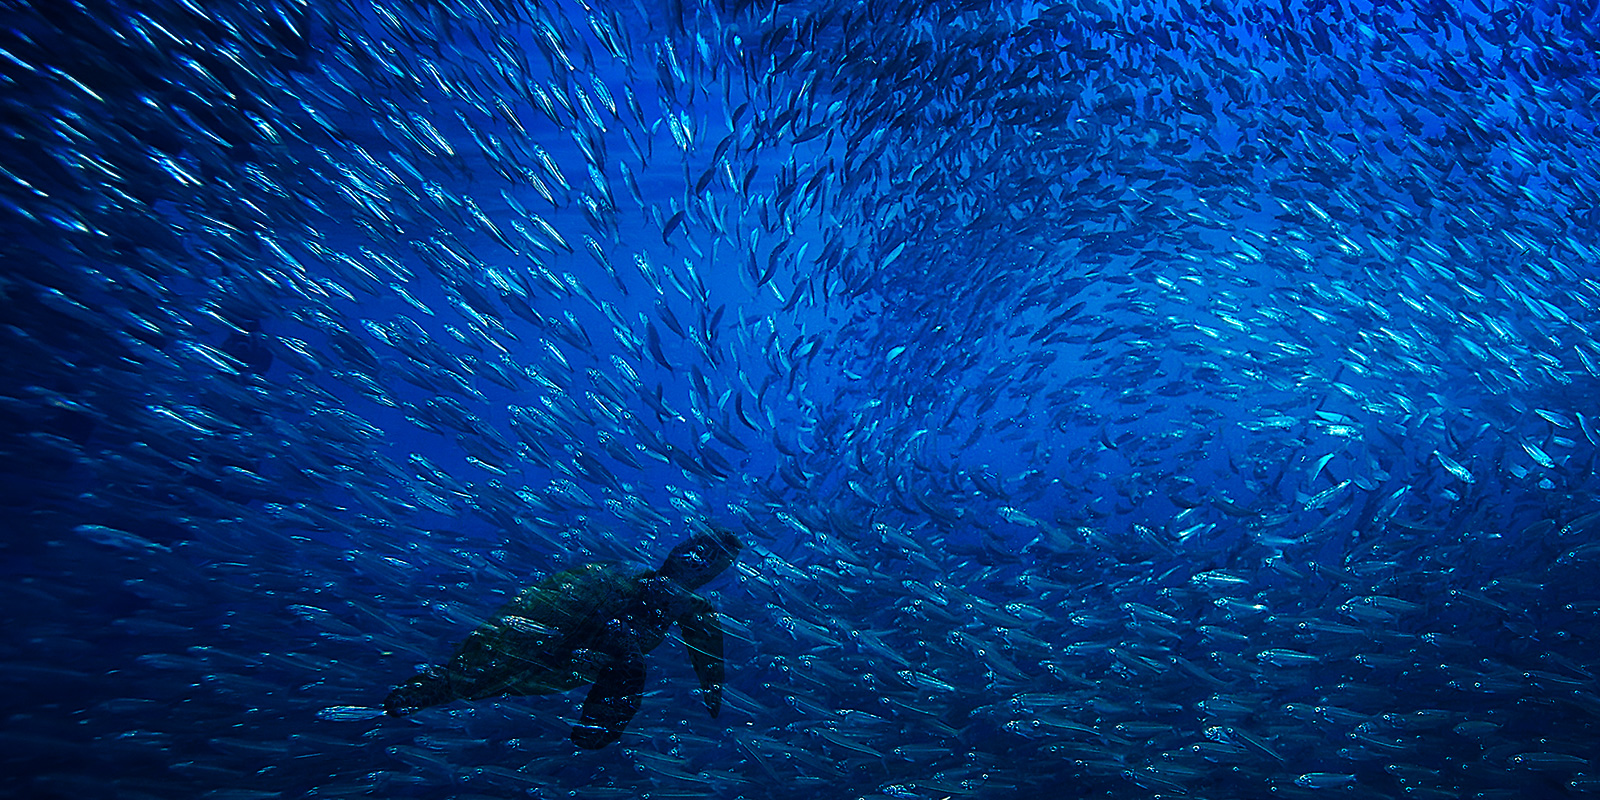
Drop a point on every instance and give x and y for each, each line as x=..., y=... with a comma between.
x=1170, y=398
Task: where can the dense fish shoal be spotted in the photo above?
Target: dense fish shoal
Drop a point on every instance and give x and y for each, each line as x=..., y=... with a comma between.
x=1156, y=399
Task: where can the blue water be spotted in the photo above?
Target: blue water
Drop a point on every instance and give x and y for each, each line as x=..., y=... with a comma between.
x=1113, y=400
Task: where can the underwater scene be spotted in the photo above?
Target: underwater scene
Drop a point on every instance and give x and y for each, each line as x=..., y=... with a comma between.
x=861, y=399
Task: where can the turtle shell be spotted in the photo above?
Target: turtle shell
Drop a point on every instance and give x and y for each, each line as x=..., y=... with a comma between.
x=549, y=639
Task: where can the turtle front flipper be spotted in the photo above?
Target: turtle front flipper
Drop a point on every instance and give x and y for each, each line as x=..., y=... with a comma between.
x=614, y=698
x=702, y=632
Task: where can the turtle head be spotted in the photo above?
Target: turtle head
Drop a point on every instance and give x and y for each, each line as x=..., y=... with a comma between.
x=694, y=563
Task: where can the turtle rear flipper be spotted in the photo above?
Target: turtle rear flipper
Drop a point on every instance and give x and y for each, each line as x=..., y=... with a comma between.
x=702, y=633
x=613, y=700
x=428, y=688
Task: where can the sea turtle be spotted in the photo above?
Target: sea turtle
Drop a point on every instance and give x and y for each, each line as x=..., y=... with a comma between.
x=589, y=624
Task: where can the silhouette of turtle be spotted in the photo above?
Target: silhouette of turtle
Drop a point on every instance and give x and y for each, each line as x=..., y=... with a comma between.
x=589, y=624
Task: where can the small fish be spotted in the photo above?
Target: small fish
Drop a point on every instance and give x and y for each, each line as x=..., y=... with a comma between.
x=1454, y=467
x=1325, y=780
x=120, y=539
